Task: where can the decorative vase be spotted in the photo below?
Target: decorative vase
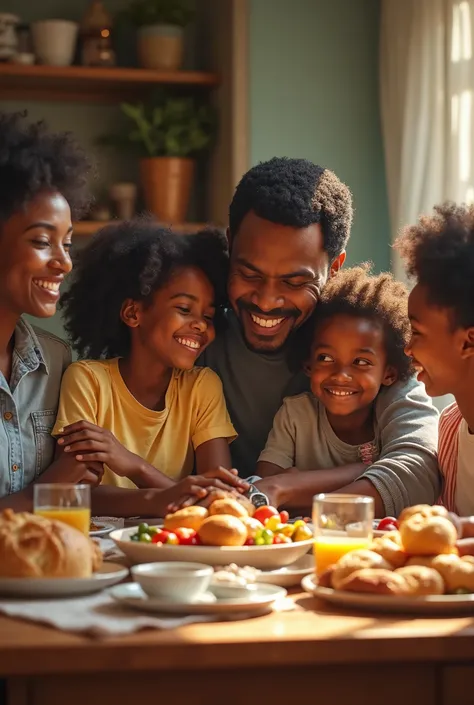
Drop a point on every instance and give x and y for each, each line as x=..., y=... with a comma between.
x=54, y=41
x=161, y=46
x=167, y=183
x=124, y=196
x=8, y=38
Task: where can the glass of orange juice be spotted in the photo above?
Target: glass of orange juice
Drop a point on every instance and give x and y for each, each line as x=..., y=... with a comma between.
x=64, y=502
x=342, y=523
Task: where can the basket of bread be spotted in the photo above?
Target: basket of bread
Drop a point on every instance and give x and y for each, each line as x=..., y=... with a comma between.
x=46, y=557
x=228, y=531
x=415, y=568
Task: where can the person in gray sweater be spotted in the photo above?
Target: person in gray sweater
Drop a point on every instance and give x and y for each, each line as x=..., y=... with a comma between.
x=289, y=223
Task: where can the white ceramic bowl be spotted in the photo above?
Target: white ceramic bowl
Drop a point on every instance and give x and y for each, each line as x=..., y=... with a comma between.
x=261, y=557
x=176, y=581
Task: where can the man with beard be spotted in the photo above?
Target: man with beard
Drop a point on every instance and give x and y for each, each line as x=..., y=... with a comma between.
x=289, y=223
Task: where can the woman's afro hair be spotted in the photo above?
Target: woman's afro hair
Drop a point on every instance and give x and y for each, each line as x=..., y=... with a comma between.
x=32, y=159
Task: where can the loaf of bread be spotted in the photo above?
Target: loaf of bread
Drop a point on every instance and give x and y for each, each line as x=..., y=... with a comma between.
x=36, y=547
x=354, y=561
x=378, y=581
x=188, y=517
x=222, y=530
x=228, y=506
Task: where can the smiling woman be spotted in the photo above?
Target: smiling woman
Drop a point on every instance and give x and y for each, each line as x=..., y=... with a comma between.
x=44, y=179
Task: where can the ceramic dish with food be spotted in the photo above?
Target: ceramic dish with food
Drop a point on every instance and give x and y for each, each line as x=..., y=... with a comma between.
x=99, y=529
x=416, y=564
x=225, y=533
x=288, y=576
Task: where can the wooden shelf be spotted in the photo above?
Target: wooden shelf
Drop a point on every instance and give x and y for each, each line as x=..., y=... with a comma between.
x=87, y=228
x=91, y=84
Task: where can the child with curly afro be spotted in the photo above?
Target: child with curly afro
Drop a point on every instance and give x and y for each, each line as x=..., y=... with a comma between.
x=358, y=334
x=439, y=255
x=142, y=307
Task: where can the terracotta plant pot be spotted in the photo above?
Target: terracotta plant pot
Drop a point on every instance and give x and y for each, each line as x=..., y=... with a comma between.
x=167, y=183
x=161, y=47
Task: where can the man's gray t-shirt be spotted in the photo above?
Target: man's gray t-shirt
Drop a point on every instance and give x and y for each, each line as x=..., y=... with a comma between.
x=255, y=386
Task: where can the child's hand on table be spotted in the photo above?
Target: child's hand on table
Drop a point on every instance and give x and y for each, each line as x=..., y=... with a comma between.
x=201, y=488
x=93, y=444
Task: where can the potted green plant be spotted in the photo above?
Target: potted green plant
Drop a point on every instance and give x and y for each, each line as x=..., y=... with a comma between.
x=160, y=31
x=167, y=134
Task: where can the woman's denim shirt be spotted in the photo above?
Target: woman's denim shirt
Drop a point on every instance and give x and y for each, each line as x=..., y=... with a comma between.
x=28, y=406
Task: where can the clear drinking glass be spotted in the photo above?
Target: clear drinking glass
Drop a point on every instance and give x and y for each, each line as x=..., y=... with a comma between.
x=342, y=523
x=65, y=502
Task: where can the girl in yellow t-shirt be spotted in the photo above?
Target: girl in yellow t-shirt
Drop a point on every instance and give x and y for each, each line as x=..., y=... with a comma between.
x=140, y=310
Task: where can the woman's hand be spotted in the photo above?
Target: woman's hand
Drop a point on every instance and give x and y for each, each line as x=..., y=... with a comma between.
x=196, y=488
x=89, y=443
x=67, y=469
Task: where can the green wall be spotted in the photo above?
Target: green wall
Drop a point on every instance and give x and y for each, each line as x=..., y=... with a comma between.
x=314, y=94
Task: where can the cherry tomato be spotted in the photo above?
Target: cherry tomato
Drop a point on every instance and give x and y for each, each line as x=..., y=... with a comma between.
x=387, y=524
x=186, y=537
x=284, y=517
x=160, y=536
x=250, y=542
x=172, y=539
x=281, y=538
x=264, y=513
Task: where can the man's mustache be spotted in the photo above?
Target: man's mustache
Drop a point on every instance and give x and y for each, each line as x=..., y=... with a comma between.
x=274, y=313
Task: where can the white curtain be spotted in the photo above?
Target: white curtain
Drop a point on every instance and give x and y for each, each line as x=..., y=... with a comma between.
x=426, y=88
x=426, y=95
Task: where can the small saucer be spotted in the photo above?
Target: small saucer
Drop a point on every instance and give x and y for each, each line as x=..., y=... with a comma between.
x=132, y=595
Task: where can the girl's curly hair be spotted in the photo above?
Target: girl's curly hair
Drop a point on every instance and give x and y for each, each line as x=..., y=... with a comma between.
x=132, y=260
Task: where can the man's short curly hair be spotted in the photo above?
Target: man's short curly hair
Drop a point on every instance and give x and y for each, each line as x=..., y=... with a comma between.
x=132, y=260
x=439, y=252
x=355, y=292
x=298, y=193
x=32, y=160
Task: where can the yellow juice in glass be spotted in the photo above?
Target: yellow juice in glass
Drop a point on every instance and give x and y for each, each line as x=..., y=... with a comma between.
x=329, y=548
x=78, y=517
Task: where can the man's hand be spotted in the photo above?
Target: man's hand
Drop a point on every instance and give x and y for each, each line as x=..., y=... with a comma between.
x=89, y=443
x=67, y=469
x=196, y=488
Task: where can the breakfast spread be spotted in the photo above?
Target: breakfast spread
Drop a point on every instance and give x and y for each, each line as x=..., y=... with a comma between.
x=33, y=546
x=419, y=558
x=226, y=522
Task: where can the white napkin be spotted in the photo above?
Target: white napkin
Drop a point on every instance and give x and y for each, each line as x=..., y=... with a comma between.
x=96, y=615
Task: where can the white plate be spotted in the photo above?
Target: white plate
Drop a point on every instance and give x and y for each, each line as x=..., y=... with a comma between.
x=103, y=529
x=289, y=575
x=109, y=574
x=132, y=595
x=261, y=557
x=429, y=604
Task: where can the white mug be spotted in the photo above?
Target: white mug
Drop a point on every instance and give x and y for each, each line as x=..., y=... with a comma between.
x=54, y=41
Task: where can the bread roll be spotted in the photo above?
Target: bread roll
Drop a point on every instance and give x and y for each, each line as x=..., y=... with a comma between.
x=429, y=536
x=325, y=579
x=375, y=580
x=33, y=546
x=422, y=580
x=228, y=506
x=356, y=560
x=457, y=573
x=424, y=510
x=389, y=547
x=222, y=530
x=188, y=517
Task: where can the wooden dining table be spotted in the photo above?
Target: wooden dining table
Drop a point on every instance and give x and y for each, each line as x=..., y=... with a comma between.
x=312, y=654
